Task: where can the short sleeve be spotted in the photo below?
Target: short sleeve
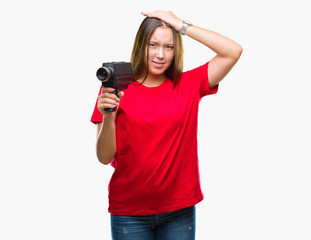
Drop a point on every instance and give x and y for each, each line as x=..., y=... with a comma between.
x=97, y=117
x=204, y=86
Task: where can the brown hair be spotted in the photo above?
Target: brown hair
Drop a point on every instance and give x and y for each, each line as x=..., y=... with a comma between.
x=145, y=31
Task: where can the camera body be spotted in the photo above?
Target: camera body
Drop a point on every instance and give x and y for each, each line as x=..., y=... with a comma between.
x=117, y=75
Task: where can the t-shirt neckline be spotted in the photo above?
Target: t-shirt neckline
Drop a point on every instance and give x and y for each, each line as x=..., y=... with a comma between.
x=155, y=87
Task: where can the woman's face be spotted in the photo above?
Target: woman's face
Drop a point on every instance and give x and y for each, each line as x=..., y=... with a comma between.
x=161, y=51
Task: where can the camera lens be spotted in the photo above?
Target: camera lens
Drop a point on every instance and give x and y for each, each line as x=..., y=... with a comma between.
x=103, y=74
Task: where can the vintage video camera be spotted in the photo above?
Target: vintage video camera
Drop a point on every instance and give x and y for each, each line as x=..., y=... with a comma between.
x=117, y=75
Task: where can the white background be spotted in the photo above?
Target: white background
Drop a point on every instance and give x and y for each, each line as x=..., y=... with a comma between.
x=254, y=135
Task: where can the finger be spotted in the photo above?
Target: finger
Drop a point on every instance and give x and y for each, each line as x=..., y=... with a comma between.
x=105, y=100
x=151, y=14
x=145, y=14
x=110, y=99
x=107, y=89
x=106, y=103
x=108, y=94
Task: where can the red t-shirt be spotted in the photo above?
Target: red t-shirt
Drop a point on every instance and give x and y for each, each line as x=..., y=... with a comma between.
x=156, y=162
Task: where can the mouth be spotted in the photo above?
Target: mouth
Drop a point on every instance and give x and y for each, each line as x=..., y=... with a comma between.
x=158, y=64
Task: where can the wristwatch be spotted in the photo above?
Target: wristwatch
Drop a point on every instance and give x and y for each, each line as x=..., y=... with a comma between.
x=184, y=27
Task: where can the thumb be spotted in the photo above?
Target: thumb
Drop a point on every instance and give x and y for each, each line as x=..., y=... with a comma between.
x=121, y=94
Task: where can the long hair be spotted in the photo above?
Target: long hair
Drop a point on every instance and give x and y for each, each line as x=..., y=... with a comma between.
x=140, y=64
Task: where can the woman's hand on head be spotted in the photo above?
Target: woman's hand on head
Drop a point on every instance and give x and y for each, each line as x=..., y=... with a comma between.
x=107, y=99
x=166, y=16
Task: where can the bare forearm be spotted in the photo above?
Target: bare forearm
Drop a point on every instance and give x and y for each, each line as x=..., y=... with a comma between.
x=106, y=141
x=221, y=45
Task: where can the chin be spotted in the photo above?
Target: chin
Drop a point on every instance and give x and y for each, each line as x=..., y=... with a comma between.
x=157, y=72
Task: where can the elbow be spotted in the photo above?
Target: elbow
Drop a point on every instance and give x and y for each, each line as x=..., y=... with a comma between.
x=104, y=159
x=105, y=152
x=105, y=162
x=237, y=52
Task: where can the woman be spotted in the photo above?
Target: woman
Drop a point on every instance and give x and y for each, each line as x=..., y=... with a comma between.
x=151, y=139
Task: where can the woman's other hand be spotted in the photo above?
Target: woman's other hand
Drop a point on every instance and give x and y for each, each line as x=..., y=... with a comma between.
x=166, y=16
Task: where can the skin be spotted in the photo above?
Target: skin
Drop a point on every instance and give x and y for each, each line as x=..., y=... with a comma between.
x=161, y=54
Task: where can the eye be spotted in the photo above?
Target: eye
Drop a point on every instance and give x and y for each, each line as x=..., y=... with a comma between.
x=170, y=47
x=152, y=45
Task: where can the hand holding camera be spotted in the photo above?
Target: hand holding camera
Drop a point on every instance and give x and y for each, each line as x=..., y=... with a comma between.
x=115, y=76
x=108, y=100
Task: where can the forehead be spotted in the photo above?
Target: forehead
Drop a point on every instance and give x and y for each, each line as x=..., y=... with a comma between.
x=162, y=34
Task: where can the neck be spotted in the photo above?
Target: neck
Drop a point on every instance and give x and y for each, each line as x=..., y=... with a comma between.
x=153, y=81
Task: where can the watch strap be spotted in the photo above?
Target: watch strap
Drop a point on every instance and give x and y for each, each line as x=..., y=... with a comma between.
x=184, y=27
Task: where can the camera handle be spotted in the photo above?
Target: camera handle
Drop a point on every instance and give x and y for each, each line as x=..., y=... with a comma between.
x=116, y=91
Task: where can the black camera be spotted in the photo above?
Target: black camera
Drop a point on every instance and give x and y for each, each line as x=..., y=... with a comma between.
x=117, y=75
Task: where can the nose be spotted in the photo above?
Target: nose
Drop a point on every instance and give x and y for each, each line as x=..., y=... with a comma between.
x=160, y=53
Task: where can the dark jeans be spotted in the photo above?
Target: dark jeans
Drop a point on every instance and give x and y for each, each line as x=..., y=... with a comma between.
x=176, y=225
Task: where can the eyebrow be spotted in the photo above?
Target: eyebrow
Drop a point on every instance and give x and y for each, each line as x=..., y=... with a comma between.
x=154, y=41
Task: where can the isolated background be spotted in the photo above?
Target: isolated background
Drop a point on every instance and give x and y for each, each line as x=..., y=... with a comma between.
x=254, y=135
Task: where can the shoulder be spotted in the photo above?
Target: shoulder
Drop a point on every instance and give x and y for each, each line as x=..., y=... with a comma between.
x=197, y=70
x=198, y=79
x=197, y=74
